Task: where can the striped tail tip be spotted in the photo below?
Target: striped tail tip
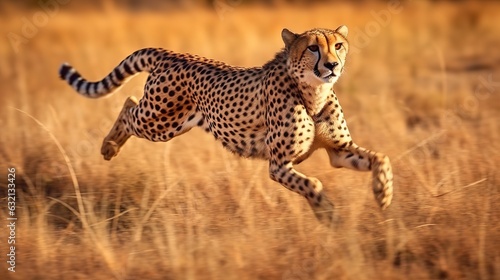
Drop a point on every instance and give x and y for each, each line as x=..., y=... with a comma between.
x=64, y=70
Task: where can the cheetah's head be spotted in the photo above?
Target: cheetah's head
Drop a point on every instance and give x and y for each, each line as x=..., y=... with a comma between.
x=317, y=56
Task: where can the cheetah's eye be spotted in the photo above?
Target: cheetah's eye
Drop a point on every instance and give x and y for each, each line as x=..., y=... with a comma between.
x=338, y=46
x=313, y=48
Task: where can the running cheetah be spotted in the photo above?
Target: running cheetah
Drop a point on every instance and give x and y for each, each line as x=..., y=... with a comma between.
x=280, y=112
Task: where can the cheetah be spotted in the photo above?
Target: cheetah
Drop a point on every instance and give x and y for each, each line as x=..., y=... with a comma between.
x=280, y=112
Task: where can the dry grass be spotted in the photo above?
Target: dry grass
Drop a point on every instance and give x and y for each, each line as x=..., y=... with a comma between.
x=188, y=209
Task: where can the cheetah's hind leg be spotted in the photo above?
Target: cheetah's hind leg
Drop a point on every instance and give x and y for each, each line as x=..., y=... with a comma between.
x=118, y=134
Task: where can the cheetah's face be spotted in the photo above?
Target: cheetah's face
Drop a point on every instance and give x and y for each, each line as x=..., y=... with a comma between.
x=316, y=56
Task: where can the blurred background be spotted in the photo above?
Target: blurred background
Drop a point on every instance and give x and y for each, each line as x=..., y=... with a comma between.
x=421, y=85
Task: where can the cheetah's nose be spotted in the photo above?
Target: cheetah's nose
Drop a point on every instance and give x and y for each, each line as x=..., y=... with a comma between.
x=331, y=65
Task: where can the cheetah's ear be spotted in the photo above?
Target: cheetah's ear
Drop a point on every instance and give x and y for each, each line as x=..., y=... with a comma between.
x=342, y=30
x=288, y=37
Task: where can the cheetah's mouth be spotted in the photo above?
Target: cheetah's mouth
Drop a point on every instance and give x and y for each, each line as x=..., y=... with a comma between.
x=328, y=76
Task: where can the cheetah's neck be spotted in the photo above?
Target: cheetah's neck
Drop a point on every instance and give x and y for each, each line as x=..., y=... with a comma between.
x=315, y=97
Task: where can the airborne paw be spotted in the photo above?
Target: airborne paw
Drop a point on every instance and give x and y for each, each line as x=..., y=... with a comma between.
x=324, y=211
x=109, y=149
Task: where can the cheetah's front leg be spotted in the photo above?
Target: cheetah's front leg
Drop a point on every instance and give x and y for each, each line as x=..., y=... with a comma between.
x=289, y=142
x=361, y=159
x=334, y=136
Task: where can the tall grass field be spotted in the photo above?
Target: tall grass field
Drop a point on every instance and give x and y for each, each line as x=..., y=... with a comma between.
x=421, y=84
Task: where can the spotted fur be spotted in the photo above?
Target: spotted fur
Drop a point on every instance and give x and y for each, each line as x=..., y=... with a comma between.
x=280, y=112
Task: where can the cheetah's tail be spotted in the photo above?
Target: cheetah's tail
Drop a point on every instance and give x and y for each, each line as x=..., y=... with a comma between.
x=139, y=61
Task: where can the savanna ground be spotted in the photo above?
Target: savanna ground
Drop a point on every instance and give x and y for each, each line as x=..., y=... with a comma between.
x=422, y=85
